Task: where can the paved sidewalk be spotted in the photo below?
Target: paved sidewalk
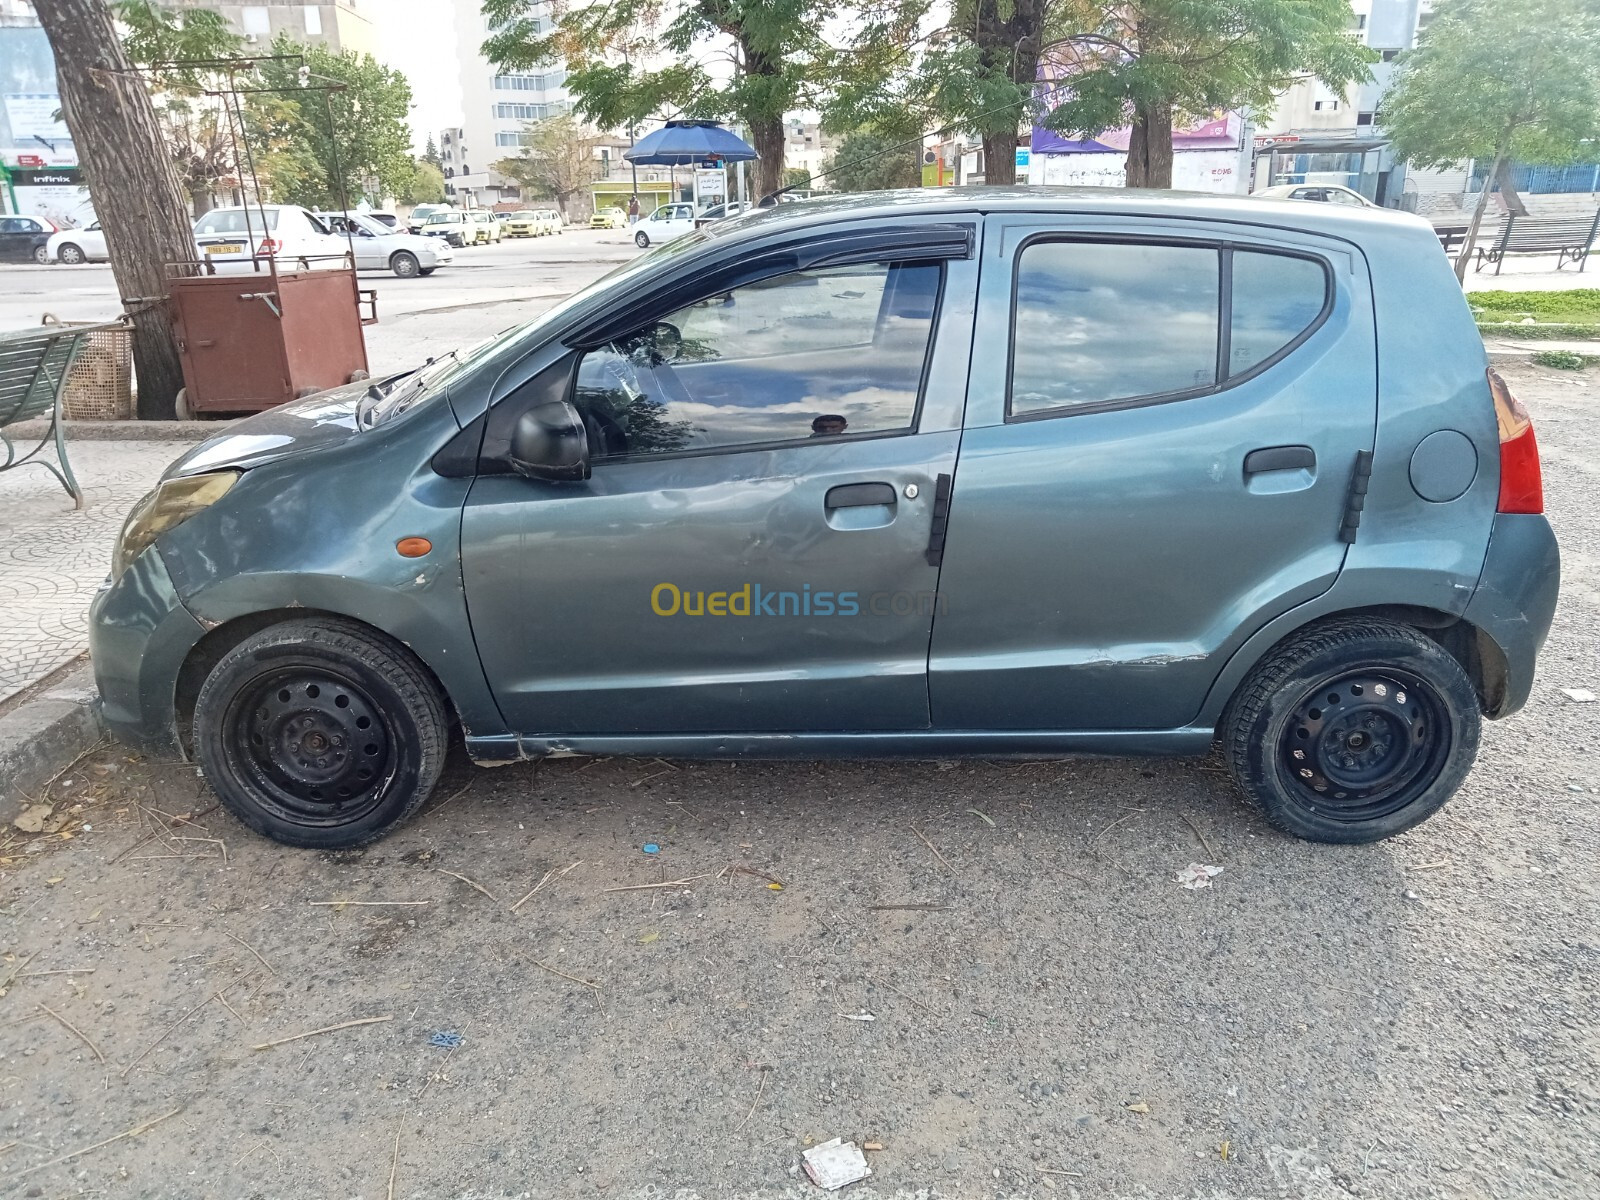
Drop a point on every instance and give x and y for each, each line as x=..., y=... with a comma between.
x=52, y=557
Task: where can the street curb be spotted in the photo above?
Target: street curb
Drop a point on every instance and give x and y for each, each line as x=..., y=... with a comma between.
x=45, y=734
x=122, y=431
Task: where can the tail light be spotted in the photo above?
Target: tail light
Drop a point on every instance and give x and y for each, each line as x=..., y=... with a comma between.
x=268, y=246
x=1521, y=481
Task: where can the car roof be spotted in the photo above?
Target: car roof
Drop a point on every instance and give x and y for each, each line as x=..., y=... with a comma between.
x=1339, y=220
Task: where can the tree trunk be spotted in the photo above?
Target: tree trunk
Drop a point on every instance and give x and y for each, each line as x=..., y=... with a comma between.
x=136, y=192
x=1508, y=189
x=1150, y=147
x=766, y=135
x=1467, y=243
x=1000, y=157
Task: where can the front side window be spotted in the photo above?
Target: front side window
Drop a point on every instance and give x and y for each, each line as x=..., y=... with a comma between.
x=1099, y=324
x=818, y=354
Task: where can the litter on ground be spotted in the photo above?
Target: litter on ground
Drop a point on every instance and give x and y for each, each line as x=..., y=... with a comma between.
x=835, y=1163
x=1197, y=875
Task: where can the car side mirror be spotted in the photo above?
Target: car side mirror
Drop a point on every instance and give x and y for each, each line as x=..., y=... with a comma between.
x=550, y=442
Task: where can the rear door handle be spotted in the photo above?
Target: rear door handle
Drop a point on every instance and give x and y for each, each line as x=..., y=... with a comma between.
x=859, y=495
x=1280, y=458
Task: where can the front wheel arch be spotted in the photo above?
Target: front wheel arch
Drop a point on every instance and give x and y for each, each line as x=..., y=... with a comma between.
x=216, y=643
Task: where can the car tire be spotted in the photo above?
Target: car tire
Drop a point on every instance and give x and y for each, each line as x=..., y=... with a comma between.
x=41, y=255
x=182, y=410
x=642, y=240
x=72, y=255
x=1352, y=731
x=404, y=264
x=322, y=733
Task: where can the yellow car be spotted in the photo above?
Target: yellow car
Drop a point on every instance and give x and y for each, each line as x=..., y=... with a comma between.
x=609, y=218
x=521, y=224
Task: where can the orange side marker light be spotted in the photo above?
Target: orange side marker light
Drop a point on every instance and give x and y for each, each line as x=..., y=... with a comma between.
x=413, y=547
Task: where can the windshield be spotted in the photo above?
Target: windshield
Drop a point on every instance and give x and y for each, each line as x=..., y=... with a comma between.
x=375, y=228
x=444, y=218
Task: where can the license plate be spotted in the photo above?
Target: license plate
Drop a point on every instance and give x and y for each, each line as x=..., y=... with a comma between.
x=225, y=248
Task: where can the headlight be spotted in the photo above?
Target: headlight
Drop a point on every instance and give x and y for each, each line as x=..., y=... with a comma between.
x=171, y=504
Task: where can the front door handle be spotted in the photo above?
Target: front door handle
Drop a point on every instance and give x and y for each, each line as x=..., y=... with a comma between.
x=1280, y=458
x=859, y=495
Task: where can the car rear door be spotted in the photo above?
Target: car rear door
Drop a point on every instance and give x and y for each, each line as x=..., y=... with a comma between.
x=1160, y=463
x=751, y=551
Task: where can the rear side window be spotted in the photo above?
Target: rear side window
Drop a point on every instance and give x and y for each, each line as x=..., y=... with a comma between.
x=1102, y=324
x=1276, y=298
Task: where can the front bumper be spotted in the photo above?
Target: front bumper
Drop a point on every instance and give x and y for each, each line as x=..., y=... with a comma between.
x=1515, y=601
x=139, y=635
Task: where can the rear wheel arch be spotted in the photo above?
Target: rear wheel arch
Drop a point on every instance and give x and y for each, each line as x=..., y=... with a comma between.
x=216, y=643
x=1478, y=653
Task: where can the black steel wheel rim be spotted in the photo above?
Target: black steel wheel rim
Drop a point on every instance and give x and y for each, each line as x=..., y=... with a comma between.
x=1364, y=744
x=312, y=744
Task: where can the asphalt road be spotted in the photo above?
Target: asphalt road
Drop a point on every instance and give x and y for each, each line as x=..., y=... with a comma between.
x=1052, y=1014
x=485, y=290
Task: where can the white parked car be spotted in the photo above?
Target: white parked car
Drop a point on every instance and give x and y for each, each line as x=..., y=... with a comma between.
x=1326, y=193
x=667, y=222
x=379, y=248
x=74, y=246
x=235, y=237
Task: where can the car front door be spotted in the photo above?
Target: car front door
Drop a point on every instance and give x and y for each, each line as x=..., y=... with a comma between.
x=1160, y=464
x=750, y=553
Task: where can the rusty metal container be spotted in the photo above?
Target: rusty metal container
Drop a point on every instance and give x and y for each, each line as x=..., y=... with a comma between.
x=251, y=341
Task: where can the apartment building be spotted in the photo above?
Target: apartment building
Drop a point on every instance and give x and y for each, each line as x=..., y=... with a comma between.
x=336, y=24
x=496, y=108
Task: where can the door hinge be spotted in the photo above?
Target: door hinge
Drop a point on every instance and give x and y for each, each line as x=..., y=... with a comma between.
x=1356, y=500
x=941, y=520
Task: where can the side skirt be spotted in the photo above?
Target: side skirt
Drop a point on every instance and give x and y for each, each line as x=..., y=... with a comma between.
x=922, y=743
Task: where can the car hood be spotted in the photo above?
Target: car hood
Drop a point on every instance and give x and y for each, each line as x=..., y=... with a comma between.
x=314, y=423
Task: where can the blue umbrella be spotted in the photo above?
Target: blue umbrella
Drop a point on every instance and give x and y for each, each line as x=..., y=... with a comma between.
x=689, y=143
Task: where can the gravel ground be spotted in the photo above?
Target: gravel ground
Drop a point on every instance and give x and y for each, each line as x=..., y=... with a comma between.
x=1054, y=1015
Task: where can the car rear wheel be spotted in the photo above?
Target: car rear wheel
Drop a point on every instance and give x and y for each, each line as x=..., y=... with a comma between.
x=71, y=255
x=404, y=264
x=41, y=255
x=1353, y=731
x=320, y=733
x=641, y=239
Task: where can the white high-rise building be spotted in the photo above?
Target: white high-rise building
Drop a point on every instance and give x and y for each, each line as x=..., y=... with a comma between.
x=496, y=107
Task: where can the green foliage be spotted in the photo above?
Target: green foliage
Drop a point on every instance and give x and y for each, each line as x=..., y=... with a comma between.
x=1539, y=333
x=1561, y=360
x=796, y=177
x=426, y=185
x=170, y=37
x=773, y=58
x=1194, y=57
x=1580, y=305
x=556, y=162
x=870, y=162
x=368, y=142
x=431, y=155
x=1492, y=79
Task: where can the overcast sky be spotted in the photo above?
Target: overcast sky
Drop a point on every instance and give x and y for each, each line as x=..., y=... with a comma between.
x=418, y=38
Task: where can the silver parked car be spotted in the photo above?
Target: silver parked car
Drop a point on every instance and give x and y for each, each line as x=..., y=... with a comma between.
x=380, y=248
x=1012, y=471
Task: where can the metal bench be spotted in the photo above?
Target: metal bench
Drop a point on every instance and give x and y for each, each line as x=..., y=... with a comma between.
x=34, y=364
x=1568, y=237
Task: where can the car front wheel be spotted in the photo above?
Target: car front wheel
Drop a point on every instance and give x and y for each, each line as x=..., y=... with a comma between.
x=641, y=239
x=1353, y=731
x=320, y=733
x=405, y=265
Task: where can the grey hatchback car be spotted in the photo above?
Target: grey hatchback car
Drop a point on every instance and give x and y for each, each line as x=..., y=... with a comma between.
x=1013, y=472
